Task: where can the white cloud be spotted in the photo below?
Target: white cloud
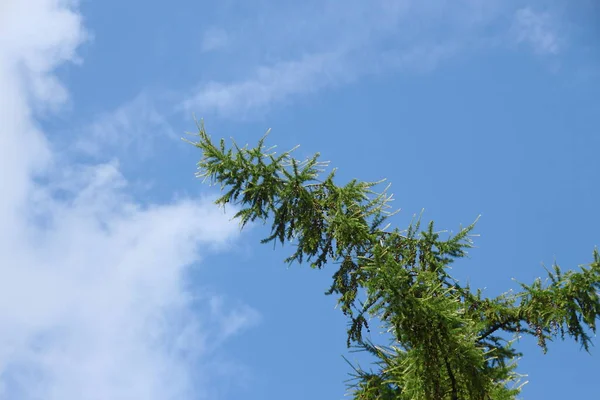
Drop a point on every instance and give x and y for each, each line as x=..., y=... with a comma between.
x=282, y=49
x=339, y=43
x=32, y=47
x=538, y=30
x=269, y=85
x=276, y=84
x=92, y=299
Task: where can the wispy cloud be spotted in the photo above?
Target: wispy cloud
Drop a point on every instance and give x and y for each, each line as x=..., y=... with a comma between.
x=312, y=45
x=231, y=322
x=131, y=128
x=276, y=84
x=269, y=85
x=92, y=298
x=214, y=39
x=538, y=30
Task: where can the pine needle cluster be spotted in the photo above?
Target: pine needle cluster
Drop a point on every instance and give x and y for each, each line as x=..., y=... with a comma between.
x=448, y=341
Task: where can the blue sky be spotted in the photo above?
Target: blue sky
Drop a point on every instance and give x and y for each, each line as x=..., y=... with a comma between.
x=121, y=280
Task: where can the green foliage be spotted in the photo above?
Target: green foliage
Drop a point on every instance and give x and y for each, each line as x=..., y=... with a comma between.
x=448, y=341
